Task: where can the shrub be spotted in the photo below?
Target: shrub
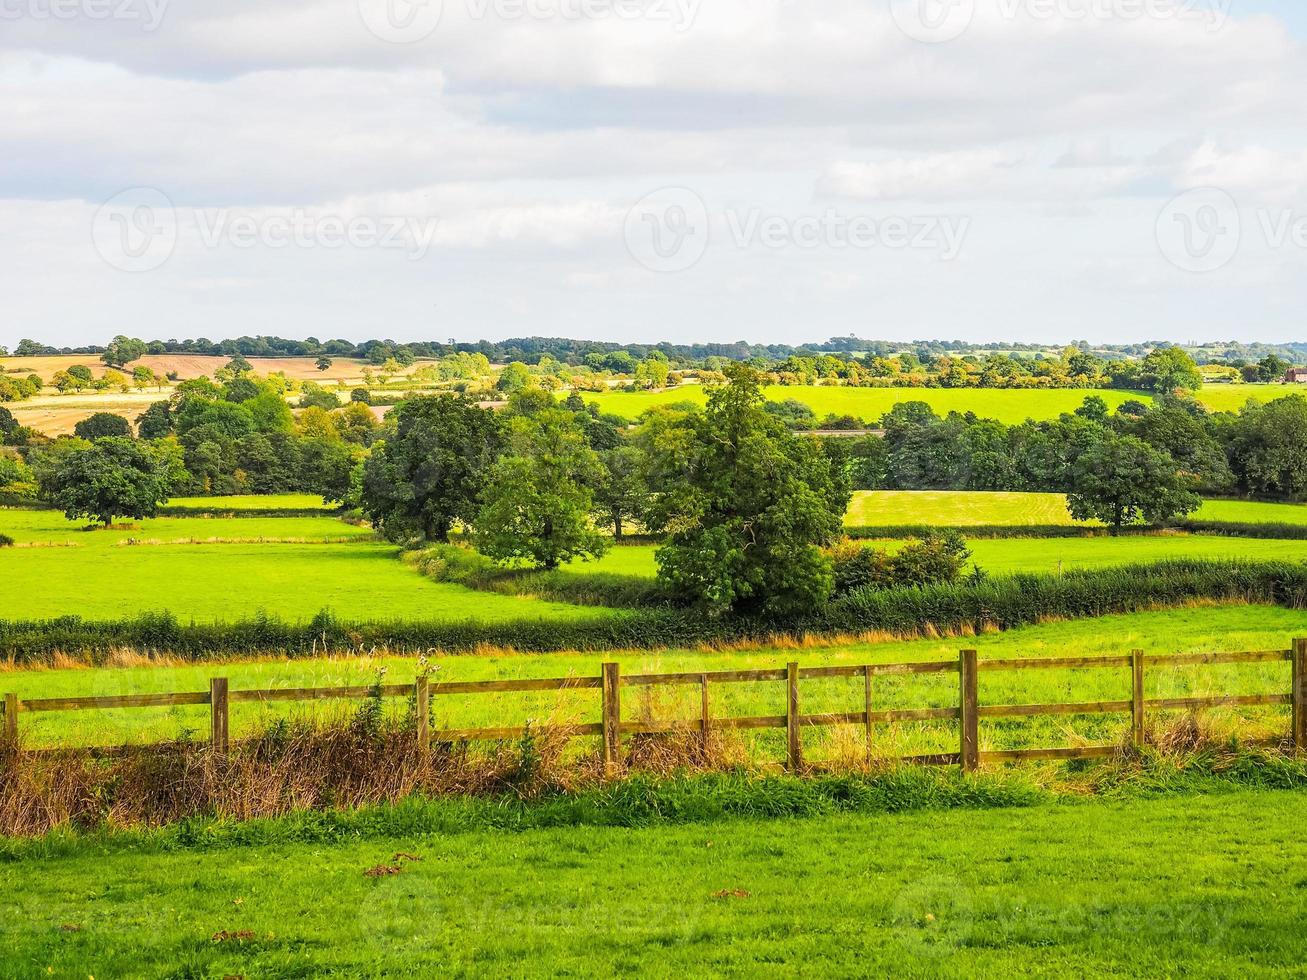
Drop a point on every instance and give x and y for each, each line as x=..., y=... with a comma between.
x=6, y=541
x=937, y=557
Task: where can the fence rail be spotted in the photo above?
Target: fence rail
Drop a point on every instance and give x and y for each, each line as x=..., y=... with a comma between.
x=968, y=712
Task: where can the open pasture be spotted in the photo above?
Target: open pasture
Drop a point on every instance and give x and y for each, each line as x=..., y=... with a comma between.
x=1010, y=555
x=869, y=404
x=1199, y=629
x=231, y=568
x=244, y=502
x=964, y=508
x=1135, y=888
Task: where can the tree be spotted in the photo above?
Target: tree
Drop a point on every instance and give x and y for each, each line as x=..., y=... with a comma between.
x=122, y=351
x=156, y=421
x=538, y=498
x=621, y=494
x=103, y=425
x=1121, y=479
x=753, y=510
x=143, y=377
x=430, y=471
x=108, y=479
x=324, y=363
x=1169, y=369
x=1267, y=447
x=513, y=378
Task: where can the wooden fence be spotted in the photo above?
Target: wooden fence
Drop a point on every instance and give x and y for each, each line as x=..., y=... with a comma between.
x=610, y=683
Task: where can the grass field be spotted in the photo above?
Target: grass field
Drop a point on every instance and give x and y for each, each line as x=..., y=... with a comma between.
x=1201, y=629
x=1231, y=398
x=870, y=404
x=1194, y=885
x=1008, y=555
x=959, y=508
x=290, y=567
x=271, y=501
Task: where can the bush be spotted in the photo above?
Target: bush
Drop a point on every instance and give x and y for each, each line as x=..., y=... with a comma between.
x=6, y=541
x=937, y=557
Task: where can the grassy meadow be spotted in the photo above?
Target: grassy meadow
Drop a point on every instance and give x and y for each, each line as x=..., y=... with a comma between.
x=1010, y=555
x=231, y=568
x=1192, y=630
x=1194, y=885
x=869, y=404
x=963, y=508
x=251, y=501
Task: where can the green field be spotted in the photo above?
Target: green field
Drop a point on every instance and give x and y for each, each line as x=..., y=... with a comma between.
x=1008, y=555
x=270, y=501
x=1204, y=629
x=869, y=404
x=1189, y=885
x=1010, y=406
x=290, y=567
x=961, y=508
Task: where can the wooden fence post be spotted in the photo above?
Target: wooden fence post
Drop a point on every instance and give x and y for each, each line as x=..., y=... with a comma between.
x=1137, y=698
x=866, y=682
x=11, y=718
x=1300, y=695
x=794, y=755
x=706, y=708
x=612, y=720
x=218, y=715
x=968, y=705
x=422, y=713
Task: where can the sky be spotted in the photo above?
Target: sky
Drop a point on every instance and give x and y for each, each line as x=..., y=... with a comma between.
x=642, y=170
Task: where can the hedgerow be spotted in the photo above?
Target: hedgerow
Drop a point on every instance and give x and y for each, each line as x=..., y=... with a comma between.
x=1231, y=529
x=1000, y=602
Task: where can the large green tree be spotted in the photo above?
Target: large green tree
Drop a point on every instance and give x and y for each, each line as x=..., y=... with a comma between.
x=121, y=351
x=429, y=472
x=539, y=497
x=103, y=424
x=1121, y=479
x=110, y=478
x=752, y=511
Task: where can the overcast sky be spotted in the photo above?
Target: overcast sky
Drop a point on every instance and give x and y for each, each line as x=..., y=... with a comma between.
x=640, y=170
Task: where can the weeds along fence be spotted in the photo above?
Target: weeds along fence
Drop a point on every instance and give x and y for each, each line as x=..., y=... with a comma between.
x=968, y=711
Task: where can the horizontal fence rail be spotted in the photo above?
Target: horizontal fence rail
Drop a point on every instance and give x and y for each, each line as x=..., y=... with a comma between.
x=967, y=712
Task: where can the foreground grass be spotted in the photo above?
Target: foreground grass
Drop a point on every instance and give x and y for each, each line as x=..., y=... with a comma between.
x=963, y=508
x=1212, y=885
x=1201, y=629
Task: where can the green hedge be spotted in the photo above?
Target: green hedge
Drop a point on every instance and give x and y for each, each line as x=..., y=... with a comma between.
x=1289, y=532
x=1003, y=603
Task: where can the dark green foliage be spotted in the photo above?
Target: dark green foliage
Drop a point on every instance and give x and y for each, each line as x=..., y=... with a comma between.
x=361, y=395
x=102, y=425
x=122, y=351
x=111, y=478
x=938, y=557
x=1121, y=480
x=156, y=421
x=750, y=511
x=431, y=471
x=538, y=498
